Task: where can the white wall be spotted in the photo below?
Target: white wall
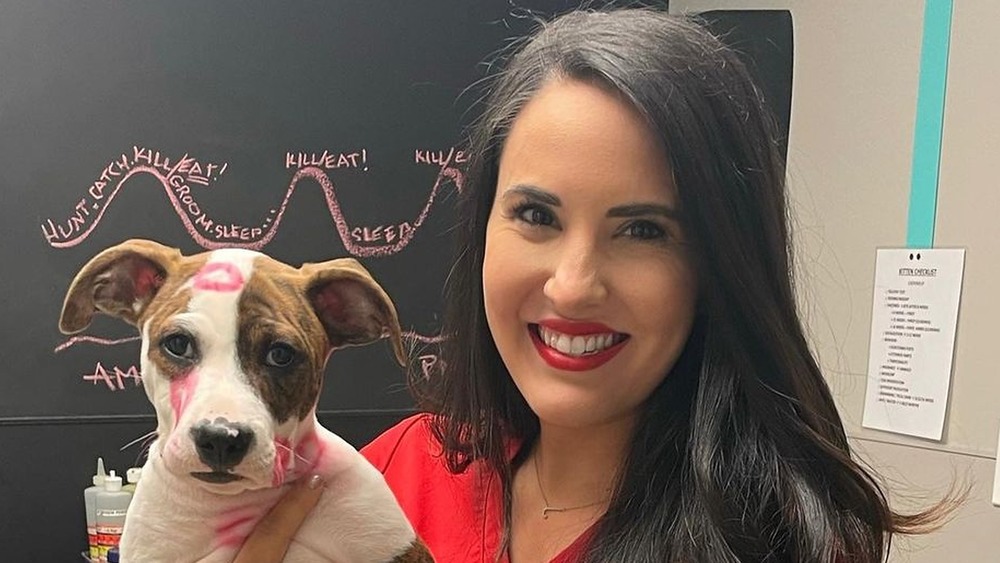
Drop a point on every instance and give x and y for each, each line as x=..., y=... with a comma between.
x=851, y=142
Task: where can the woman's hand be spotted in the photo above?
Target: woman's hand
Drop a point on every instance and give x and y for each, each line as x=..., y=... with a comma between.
x=270, y=539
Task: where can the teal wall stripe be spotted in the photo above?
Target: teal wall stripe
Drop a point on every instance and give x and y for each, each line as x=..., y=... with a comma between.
x=929, y=124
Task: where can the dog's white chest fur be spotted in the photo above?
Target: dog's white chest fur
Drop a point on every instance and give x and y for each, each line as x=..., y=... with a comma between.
x=356, y=520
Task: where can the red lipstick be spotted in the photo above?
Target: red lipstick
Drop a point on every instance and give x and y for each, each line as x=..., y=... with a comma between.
x=565, y=362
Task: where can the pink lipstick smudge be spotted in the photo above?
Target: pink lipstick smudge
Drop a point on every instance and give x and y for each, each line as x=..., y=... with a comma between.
x=234, y=526
x=219, y=276
x=181, y=391
x=283, y=452
x=307, y=453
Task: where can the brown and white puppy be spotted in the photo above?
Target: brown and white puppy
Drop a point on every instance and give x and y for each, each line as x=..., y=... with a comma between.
x=234, y=346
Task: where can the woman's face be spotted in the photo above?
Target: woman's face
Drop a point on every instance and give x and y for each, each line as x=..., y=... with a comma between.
x=589, y=289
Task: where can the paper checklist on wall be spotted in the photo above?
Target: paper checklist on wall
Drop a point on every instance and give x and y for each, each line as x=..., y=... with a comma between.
x=914, y=317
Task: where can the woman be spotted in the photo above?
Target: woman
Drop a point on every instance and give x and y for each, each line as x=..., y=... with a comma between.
x=626, y=377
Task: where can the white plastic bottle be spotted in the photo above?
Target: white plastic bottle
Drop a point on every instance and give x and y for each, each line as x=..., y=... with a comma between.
x=132, y=476
x=112, y=503
x=90, y=504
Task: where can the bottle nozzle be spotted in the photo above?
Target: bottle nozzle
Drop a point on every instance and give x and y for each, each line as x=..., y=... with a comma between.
x=100, y=475
x=113, y=482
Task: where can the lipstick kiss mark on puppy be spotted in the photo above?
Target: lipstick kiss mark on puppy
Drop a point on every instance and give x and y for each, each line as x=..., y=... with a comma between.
x=219, y=276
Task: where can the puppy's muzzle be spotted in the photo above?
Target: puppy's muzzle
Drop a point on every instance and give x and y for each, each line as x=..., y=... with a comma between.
x=221, y=445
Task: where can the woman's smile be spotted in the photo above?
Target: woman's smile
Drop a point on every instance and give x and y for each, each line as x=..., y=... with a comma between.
x=574, y=346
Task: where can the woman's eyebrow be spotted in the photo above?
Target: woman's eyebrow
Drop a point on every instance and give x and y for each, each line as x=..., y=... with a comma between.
x=643, y=209
x=533, y=193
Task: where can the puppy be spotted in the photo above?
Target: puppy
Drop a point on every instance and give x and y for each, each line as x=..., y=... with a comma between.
x=234, y=346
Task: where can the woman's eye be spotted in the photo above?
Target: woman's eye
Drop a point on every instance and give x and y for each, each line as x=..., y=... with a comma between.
x=534, y=214
x=179, y=345
x=280, y=355
x=645, y=230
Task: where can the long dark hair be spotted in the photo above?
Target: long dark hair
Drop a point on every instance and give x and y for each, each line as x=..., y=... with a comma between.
x=740, y=454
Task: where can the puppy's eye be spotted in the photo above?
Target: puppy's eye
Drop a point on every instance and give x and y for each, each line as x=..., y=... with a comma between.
x=179, y=345
x=280, y=355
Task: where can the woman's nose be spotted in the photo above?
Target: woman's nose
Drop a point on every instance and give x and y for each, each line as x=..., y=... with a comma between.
x=576, y=283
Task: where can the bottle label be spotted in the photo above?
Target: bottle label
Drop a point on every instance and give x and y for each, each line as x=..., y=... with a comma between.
x=93, y=544
x=107, y=537
x=111, y=512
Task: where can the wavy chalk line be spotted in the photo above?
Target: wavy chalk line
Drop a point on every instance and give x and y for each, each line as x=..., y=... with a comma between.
x=319, y=175
x=74, y=340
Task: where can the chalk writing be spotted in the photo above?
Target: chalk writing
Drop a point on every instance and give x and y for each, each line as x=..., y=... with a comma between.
x=327, y=160
x=176, y=175
x=429, y=365
x=177, y=178
x=379, y=233
x=114, y=377
x=440, y=158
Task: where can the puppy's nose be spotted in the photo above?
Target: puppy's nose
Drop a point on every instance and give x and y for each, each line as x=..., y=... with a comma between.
x=221, y=444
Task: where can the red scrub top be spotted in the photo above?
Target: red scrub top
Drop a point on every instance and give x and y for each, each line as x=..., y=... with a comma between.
x=457, y=516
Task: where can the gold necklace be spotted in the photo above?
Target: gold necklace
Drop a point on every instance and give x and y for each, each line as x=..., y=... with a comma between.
x=548, y=508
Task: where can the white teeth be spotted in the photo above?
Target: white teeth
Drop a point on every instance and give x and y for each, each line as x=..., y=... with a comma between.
x=575, y=345
x=563, y=344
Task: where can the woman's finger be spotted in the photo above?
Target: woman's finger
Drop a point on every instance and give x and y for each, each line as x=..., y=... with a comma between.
x=273, y=534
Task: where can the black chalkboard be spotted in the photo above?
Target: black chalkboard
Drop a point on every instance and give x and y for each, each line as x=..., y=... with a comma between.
x=307, y=130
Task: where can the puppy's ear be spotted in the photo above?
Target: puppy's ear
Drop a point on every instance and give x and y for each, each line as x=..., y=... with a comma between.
x=352, y=306
x=120, y=282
